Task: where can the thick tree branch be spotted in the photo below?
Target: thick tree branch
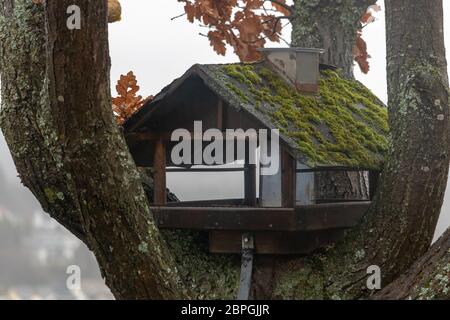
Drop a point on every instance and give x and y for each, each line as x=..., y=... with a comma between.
x=119, y=227
x=33, y=147
x=428, y=278
x=400, y=226
x=68, y=150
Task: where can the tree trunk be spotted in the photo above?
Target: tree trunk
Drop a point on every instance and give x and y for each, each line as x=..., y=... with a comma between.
x=428, y=278
x=333, y=186
x=400, y=225
x=332, y=26
x=329, y=25
x=415, y=177
x=22, y=43
x=67, y=147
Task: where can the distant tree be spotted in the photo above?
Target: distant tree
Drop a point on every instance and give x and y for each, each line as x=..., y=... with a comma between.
x=68, y=150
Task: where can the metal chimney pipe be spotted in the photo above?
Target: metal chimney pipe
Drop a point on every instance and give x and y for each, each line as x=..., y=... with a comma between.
x=299, y=66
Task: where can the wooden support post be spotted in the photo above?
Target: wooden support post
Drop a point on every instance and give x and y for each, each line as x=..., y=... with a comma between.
x=288, y=180
x=250, y=184
x=220, y=114
x=250, y=177
x=159, y=174
x=374, y=177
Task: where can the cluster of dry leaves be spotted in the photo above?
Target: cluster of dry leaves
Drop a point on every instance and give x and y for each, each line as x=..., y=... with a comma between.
x=243, y=24
x=127, y=102
x=360, y=53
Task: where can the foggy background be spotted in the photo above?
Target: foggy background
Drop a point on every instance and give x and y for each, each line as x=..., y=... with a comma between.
x=34, y=250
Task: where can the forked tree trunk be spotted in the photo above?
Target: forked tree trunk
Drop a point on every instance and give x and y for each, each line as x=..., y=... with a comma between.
x=67, y=148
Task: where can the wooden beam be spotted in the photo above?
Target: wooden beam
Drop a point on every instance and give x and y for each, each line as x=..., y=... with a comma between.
x=302, y=218
x=147, y=136
x=250, y=185
x=324, y=216
x=159, y=173
x=288, y=180
x=250, y=177
x=208, y=203
x=224, y=218
x=274, y=242
x=152, y=136
x=374, y=177
x=209, y=169
x=336, y=168
x=220, y=114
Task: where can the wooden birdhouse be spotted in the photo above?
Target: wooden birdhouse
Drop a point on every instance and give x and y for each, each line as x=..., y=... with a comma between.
x=318, y=123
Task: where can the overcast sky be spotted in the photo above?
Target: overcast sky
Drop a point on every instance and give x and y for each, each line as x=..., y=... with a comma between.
x=159, y=50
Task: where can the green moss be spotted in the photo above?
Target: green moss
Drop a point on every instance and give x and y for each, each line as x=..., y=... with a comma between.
x=52, y=196
x=300, y=280
x=243, y=73
x=238, y=92
x=344, y=124
x=210, y=276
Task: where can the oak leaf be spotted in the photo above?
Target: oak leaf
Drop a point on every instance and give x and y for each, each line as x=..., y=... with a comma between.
x=242, y=24
x=127, y=102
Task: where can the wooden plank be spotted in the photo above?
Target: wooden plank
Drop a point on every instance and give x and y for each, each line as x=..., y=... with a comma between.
x=220, y=114
x=159, y=174
x=152, y=136
x=302, y=218
x=274, y=242
x=330, y=215
x=250, y=176
x=288, y=176
x=220, y=218
x=208, y=203
x=250, y=184
x=211, y=169
x=336, y=168
x=147, y=136
x=374, y=177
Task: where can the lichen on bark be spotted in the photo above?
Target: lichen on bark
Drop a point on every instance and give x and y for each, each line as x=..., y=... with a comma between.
x=330, y=25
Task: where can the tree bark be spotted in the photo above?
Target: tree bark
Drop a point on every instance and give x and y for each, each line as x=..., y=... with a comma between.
x=415, y=177
x=332, y=26
x=428, y=278
x=22, y=43
x=62, y=118
x=334, y=186
x=329, y=25
x=400, y=225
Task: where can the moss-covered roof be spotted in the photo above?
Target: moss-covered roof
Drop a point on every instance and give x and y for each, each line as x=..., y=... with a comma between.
x=344, y=125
